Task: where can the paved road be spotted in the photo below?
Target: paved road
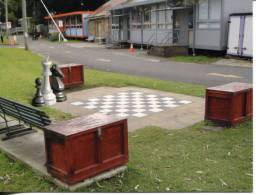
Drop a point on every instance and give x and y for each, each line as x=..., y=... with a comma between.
x=94, y=56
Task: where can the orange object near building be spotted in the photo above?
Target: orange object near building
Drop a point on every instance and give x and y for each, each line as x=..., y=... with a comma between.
x=132, y=50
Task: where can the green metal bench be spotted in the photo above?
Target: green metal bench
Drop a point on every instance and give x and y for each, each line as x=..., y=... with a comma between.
x=27, y=117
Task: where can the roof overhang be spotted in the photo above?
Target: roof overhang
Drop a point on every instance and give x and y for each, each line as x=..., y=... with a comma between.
x=137, y=3
x=99, y=17
x=69, y=14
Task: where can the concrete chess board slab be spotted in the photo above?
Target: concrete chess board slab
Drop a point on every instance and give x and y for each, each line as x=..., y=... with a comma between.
x=131, y=104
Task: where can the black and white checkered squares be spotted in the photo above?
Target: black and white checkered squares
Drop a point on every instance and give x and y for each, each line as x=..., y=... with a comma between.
x=131, y=104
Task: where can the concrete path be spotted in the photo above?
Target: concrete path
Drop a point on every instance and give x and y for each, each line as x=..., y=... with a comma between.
x=235, y=63
x=121, y=61
x=170, y=115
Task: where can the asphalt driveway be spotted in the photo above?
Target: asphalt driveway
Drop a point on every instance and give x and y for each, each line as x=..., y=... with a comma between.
x=95, y=56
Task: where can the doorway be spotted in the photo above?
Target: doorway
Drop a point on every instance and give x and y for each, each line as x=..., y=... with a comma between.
x=181, y=24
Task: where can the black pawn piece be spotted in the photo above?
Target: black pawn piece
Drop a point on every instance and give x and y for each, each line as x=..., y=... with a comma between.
x=38, y=99
x=57, y=84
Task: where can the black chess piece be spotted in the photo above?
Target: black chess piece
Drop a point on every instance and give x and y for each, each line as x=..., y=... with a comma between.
x=38, y=99
x=57, y=85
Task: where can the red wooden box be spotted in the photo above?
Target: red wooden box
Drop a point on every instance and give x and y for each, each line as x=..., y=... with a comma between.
x=74, y=75
x=229, y=104
x=85, y=147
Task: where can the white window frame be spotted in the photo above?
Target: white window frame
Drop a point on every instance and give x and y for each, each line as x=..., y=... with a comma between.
x=207, y=22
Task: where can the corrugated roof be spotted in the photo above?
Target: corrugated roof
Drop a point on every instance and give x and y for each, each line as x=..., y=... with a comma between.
x=69, y=14
x=103, y=11
x=133, y=3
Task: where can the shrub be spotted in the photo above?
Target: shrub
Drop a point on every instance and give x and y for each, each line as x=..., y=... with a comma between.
x=54, y=37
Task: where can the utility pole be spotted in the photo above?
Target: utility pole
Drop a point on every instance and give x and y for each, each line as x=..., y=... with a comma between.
x=6, y=17
x=24, y=23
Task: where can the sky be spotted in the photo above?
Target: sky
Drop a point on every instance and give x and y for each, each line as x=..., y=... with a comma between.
x=66, y=5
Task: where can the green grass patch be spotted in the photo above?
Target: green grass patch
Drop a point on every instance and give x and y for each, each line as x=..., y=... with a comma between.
x=187, y=160
x=18, y=71
x=196, y=59
x=76, y=41
x=96, y=78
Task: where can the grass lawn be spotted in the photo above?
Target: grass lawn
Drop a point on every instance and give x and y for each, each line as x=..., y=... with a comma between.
x=185, y=160
x=96, y=78
x=200, y=59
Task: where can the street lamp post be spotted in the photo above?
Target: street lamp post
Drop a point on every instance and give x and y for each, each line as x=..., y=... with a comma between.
x=25, y=24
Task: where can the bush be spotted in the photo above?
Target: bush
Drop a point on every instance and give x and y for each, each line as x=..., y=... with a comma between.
x=54, y=37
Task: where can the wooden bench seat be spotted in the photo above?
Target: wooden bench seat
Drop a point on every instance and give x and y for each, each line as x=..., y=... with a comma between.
x=26, y=116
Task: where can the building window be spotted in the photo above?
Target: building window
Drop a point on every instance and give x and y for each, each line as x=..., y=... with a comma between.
x=203, y=25
x=79, y=20
x=115, y=23
x=136, y=19
x=153, y=16
x=147, y=18
x=209, y=14
x=214, y=9
x=214, y=25
x=161, y=19
x=169, y=19
x=209, y=10
x=190, y=18
x=203, y=10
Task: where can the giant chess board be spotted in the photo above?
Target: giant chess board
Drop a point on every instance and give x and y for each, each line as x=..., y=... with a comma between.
x=131, y=104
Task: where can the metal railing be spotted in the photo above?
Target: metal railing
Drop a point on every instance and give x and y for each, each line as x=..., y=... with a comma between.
x=169, y=38
x=16, y=30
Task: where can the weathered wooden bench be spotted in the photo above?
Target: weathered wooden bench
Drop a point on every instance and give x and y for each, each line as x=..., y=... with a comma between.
x=26, y=116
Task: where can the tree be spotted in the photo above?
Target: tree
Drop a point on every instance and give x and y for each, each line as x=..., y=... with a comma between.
x=14, y=11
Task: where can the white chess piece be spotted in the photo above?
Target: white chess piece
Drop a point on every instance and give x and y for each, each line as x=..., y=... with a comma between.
x=49, y=97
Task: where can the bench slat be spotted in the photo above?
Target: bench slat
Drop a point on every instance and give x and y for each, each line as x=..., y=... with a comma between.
x=32, y=121
x=10, y=102
x=34, y=117
x=24, y=113
x=28, y=119
x=20, y=106
x=31, y=110
x=12, y=113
